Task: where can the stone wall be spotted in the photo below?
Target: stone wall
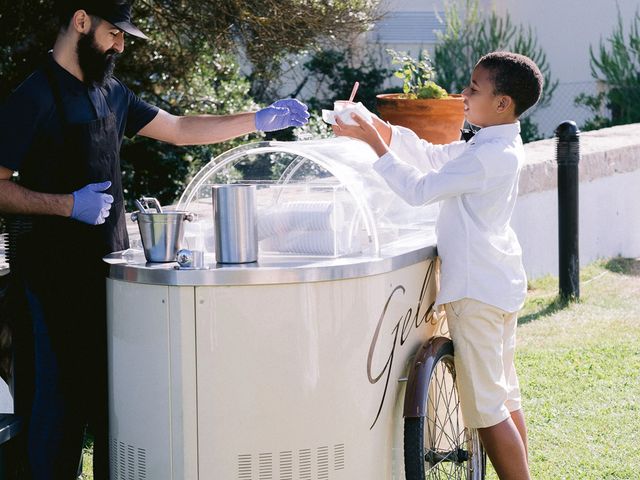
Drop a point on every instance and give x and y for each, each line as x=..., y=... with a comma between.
x=609, y=199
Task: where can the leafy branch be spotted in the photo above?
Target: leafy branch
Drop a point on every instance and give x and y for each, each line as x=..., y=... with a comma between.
x=416, y=75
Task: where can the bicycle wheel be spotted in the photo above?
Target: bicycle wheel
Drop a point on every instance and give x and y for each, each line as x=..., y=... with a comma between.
x=438, y=445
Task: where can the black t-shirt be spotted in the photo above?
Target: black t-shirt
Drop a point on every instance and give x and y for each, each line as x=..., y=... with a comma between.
x=30, y=124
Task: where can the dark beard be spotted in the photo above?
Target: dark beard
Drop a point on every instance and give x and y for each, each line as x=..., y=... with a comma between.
x=97, y=67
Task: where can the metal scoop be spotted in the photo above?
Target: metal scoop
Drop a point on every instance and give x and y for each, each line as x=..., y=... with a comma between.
x=145, y=203
x=141, y=207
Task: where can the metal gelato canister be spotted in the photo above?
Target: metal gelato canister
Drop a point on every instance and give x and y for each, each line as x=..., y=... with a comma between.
x=235, y=223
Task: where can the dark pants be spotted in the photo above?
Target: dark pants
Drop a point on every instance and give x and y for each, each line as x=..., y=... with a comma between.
x=70, y=391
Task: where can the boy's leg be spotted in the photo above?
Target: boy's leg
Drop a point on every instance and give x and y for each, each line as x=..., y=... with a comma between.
x=518, y=420
x=484, y=344
x=514, y=402
x=506, y=450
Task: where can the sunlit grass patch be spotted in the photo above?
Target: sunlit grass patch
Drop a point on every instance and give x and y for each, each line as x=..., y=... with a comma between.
x=578, y=365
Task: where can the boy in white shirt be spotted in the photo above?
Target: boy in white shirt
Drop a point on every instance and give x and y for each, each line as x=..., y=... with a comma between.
x=483, y=283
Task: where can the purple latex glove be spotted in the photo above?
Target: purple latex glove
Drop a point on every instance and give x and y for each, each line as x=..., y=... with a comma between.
x=282, y=114
x=90, y=205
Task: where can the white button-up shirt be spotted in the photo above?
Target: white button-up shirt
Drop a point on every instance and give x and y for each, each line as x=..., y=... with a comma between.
x=476, y=184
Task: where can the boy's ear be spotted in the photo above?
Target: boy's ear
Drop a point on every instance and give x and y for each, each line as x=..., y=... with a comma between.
x=504, y=103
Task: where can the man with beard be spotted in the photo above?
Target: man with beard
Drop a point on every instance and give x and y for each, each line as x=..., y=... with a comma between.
x=62, y=130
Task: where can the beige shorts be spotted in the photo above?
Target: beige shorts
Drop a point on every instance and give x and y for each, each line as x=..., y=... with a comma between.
x=484, y=341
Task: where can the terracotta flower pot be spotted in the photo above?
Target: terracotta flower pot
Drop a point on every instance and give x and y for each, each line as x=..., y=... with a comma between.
x=435, y=120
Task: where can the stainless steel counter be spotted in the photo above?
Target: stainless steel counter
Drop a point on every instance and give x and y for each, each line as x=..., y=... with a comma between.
x=131, y=266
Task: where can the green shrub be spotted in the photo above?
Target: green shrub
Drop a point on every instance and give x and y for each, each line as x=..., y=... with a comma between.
x=213, y=84
x=617, y=64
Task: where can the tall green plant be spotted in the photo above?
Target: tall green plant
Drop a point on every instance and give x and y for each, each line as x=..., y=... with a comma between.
x=616, y=63
x=469, y=34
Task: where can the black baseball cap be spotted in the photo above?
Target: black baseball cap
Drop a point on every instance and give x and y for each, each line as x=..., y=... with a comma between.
x=118, y=13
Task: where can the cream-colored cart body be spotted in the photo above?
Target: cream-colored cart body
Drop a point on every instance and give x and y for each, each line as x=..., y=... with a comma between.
x=289, y=369
x=280, y=381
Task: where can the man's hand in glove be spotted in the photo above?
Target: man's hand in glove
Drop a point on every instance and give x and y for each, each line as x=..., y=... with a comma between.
x=282, y=114
x=90, y=205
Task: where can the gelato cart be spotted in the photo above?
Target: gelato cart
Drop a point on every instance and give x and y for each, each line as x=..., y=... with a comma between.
x=291, y=367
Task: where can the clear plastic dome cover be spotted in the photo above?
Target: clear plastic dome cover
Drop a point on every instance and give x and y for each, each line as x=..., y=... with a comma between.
x=314, y=198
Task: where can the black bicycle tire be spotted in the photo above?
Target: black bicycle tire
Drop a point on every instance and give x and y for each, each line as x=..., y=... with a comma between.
x=413, y=449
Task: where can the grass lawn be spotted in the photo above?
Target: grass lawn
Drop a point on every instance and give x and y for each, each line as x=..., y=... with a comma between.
x=578, y=365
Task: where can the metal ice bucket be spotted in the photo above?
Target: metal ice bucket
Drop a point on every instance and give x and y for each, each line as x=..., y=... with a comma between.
x=235, y=225
x=162, y=233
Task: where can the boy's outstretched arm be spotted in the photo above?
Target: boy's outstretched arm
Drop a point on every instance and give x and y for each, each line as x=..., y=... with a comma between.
x=463, y=174
x=413, y=150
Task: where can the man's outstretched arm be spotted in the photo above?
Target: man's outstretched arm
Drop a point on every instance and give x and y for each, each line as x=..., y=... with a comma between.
x=198, y=129
x=206, y=129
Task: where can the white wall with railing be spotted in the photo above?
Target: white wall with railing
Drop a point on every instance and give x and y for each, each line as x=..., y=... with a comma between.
x=609, y=200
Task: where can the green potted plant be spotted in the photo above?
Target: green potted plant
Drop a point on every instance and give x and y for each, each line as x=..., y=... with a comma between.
x=424, y=107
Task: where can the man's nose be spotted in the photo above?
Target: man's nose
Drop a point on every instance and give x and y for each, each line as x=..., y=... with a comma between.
x=118, y=44
x=465, y=92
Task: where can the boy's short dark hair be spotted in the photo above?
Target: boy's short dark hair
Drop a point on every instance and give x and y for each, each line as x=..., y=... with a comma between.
x=514, y=75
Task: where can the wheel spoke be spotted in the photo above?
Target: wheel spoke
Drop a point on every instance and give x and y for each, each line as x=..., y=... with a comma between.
x=450, y=450
x=445, y=436
x=446, y=422
x=446, y=427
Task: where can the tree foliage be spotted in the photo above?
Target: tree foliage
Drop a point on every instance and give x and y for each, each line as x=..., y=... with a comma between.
x=616, y=63
x=265, y=30
x=470, y=35
x=334, y=73
x=189, y=65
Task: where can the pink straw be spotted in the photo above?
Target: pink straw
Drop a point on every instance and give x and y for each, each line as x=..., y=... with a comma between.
x=353, y=92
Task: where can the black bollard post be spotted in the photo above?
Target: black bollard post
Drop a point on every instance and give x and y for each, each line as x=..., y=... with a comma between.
x=568, y=156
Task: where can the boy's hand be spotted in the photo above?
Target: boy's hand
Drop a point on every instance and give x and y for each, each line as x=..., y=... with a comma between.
x=383, y=128
x=364, y=131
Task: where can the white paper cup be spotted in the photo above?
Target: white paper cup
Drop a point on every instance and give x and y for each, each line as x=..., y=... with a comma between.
x=343, y=109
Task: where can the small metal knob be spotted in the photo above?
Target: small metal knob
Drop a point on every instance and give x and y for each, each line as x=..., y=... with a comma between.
x=184, y=258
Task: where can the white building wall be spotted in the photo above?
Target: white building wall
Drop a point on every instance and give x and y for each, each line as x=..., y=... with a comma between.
x=564, y=29
x=401, y=17
x=609, y=223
